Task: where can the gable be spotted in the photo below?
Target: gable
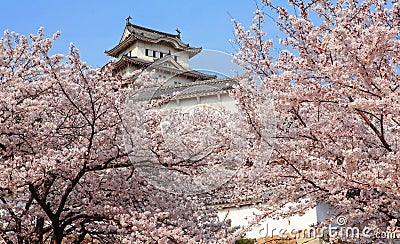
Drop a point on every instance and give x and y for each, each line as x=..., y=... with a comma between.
x=125, y=34
x=169, y=62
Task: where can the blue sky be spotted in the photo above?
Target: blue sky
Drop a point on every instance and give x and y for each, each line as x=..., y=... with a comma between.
x=95, y=26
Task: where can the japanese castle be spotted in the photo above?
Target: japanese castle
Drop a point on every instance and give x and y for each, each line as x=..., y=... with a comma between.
x=168, y=56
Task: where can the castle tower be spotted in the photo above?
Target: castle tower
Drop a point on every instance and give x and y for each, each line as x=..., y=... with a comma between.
x=166, y=54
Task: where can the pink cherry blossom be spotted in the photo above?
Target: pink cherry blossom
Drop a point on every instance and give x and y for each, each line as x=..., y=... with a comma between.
x=336, y=95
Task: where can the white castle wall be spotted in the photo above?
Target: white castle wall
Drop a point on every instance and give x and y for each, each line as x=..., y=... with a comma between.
x=241, y=216
x=238, y=215
x=138, y=49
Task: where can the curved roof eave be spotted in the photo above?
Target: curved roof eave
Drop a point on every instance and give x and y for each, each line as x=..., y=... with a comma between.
x=120, y=64
x=133, y=37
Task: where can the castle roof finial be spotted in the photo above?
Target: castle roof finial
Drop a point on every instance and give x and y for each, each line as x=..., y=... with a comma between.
x=128, y=20
x=179, y=33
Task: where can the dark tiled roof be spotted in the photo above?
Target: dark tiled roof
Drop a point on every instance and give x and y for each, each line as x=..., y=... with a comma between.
x=153, y=36
x=149, y=33
x=191, y=89
x=199, y=88
x=143, y=64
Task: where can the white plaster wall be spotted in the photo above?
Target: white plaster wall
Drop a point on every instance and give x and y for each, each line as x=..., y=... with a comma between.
x=169, y=79
x=183, y=58
x=241, y=216
x=139, y=47
x=224, y=100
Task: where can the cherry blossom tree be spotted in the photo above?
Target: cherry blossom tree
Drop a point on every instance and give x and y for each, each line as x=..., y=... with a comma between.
x=66, y=174
x=335, y=85
x=76, y=142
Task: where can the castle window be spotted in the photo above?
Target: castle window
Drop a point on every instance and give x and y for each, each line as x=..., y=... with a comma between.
x=149, y=53
x=176, y=58
x=161, y=55
x=155, y=54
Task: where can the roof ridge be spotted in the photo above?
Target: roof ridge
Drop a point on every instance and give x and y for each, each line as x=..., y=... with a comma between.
x=152, y=30
x=200, y=82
